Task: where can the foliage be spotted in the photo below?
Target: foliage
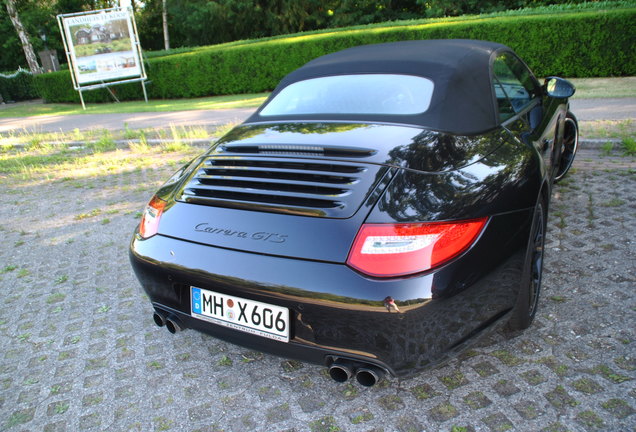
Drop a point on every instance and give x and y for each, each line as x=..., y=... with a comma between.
x=206, y=22
x=35, y=16
x=551, y=44
x=18, y=86
x=39, y=17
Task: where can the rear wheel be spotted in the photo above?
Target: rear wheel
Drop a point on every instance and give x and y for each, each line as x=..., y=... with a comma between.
x=528, y=298
x=570, y=145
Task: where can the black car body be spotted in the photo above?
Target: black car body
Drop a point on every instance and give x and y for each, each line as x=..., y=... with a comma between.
x=385, y=206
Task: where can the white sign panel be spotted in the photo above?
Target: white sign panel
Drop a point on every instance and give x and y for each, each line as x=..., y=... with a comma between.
x=102, y=45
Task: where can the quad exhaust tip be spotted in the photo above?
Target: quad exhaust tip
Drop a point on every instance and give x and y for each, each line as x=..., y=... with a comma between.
x=159, y=319
x=369, y=376
x=366, y=374
x=171, y=322
x=173, y=325
x=340, y=371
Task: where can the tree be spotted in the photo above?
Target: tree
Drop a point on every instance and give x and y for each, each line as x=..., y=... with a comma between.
x=164, y=19
x=29, y=53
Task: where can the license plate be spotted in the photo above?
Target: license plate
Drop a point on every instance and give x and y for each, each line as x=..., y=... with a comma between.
x=249, y=316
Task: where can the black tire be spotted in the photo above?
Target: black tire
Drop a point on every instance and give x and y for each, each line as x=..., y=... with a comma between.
x=527, y=302
x=569, y=147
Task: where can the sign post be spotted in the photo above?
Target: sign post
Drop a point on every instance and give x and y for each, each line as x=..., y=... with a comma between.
x=102, y=48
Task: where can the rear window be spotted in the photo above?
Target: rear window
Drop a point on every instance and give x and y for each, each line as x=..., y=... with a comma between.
x=389, y=94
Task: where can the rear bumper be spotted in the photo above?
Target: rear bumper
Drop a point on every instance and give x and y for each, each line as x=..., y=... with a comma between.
x=336, y=312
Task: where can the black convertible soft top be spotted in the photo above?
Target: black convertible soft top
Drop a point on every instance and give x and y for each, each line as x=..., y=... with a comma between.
x=463, y=99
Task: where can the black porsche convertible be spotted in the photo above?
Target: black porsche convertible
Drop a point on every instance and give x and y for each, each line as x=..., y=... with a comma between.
x=383, y=208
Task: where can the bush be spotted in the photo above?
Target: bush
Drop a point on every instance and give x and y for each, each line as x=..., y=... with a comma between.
x=18, y=86
x=582, y=44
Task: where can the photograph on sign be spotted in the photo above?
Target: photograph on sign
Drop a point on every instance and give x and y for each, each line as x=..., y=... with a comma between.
x=102, y=46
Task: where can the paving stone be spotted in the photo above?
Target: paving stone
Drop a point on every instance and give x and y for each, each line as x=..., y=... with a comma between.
x=590, y=420
x=505, y=388
x=28, y=395
x=278, y=414
x=533, y=377
x=477, y=400
x=443, y=412
x=20, y=417
x=626, y=363
x=561, y=399
x=485, y=369
x=199, y=412
x=129, y=411
x=507, y=358
x=359, y=416
x=391, y=402
x=529, y=347
x=92, y=399
x=309, y=404
x=454, y=380
x=90, y=422
x=408, y=424
x=618, y=407
x=93, y=381
x=57, y=408
x=528, y=410
x=555, y=427
x=587, y=385
x=424, y=391
x=55, y=427
x=557, y=367
x=497, y=422
x=324, y=424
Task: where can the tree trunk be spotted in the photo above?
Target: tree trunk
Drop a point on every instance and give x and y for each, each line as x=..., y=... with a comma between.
x=166, y=36
x=24, y=37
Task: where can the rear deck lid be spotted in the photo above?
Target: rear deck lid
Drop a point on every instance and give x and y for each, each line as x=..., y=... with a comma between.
x=308, y=187
x=300, y=190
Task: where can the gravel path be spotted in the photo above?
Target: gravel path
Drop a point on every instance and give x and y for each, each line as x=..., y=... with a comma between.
x=79, y=350
x=604, y=109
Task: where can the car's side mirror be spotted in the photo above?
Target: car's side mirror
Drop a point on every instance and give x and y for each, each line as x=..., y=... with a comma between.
x=558, y=87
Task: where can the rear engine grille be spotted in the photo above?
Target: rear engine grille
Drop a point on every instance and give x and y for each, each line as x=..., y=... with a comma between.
x=306, y=187
x=299, y=150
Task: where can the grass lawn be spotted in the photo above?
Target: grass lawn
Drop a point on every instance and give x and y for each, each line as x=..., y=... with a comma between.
x=594, y=88
x=157, y=105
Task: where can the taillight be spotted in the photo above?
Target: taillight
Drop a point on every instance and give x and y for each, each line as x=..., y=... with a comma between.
x=385, y=250
x=150, y=219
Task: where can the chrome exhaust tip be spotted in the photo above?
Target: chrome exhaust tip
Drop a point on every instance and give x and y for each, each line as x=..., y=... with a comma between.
x=159, y=319
x=340, y=371
x=173, y=325
x=368, y=376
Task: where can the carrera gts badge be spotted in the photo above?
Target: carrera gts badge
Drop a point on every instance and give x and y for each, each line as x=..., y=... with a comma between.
x=260, y=236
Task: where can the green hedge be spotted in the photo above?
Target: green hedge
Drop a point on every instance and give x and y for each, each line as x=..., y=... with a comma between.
x=18, y=86
x=582, y=44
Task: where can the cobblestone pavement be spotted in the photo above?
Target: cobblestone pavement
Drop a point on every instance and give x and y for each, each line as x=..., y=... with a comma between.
x=79, y=350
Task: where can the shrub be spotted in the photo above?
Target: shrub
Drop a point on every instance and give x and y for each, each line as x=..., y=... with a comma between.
x=583, y=44
x=18, y=86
